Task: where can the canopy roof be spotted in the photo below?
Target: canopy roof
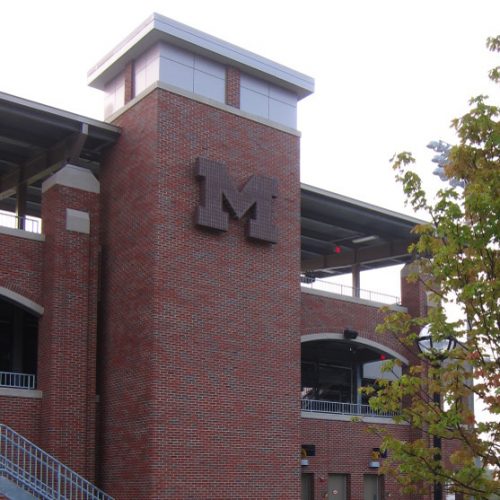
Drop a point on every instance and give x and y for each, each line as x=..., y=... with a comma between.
x=36, y=140
x=338, y=233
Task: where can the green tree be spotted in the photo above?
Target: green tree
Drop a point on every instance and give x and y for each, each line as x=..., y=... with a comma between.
x=457, y=255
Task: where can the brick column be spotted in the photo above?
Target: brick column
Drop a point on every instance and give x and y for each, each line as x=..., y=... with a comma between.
x=233, y=86
x=413, y=294
x=67, y=336
x=129, y=82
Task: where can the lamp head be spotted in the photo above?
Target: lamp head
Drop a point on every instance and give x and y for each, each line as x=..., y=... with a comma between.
x=428, y=345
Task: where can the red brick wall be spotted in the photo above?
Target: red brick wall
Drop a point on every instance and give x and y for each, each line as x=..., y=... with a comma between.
x=22, y=415
x=201, y=356
x=21, y=266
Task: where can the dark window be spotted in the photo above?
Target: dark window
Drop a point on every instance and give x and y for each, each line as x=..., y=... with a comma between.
x=18, y=339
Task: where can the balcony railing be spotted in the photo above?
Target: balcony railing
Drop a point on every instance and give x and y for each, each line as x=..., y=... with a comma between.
x=334, y=407
x=17, y=380
x=30, y=224
x=348, y=291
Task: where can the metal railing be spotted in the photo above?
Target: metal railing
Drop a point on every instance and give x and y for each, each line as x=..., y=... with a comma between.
x=30, y=224
x=348, y=291
x=334, y=407
x=40, y=474
x=17, y=380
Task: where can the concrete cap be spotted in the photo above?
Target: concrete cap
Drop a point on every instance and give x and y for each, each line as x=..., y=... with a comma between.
x=73, y=177
x=158, y=28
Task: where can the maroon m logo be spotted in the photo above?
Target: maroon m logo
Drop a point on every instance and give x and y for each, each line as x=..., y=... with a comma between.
x=219, y=198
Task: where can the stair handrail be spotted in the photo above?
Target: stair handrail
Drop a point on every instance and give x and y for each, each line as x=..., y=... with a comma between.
x=41, y=474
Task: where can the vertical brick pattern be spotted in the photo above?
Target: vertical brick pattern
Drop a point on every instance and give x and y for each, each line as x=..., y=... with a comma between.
x=67, y=331
x=233, y=81
x=201, y=377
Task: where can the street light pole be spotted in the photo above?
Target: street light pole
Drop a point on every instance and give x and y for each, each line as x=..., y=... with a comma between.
x=437, y=349
x=436, y=443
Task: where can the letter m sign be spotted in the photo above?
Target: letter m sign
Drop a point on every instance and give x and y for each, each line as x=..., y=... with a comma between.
x=219, y=199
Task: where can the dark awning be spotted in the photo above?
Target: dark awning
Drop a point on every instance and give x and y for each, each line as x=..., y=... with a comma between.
x=338, y=233
x=37, y=140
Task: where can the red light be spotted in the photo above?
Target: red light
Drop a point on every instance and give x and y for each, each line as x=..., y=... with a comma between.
x=337, y=249
x=382, y=357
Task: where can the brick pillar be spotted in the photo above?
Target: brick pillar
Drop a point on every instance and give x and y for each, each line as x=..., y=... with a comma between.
x=200, y=356
x=129, y=82
x=67, y=334
x=233, y=86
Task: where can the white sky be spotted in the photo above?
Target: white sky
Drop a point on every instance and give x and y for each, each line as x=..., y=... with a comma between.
x=390, y=74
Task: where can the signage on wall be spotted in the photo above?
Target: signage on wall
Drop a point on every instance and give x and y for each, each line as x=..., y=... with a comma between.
x=220, y=198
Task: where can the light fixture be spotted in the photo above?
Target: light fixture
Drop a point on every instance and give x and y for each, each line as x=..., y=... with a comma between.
x=364, y=239
x=350, y=334
x=428, y=345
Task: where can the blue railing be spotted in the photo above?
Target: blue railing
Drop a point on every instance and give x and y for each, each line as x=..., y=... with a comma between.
x=39, y=473
x=17, y=380
x=335, y=407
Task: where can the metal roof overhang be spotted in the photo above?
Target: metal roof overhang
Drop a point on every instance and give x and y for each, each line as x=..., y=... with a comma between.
x=37, y=140
x=339, y=234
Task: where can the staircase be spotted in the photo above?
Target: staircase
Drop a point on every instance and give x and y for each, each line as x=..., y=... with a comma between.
x=33, y=471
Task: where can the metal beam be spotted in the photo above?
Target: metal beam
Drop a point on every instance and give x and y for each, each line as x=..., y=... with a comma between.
x=394, y=250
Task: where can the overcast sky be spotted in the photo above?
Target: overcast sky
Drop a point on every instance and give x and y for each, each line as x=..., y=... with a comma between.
x=390, y=74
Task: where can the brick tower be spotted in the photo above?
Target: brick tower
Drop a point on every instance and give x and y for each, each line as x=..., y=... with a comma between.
x=199, y=363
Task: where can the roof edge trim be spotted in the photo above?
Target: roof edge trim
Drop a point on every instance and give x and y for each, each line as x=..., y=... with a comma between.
x=361, y=204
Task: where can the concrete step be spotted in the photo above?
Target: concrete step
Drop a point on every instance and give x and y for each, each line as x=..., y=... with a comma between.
x=11, y=491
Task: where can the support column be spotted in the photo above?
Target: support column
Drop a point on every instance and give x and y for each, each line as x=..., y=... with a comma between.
x=21, y=200
x=413, y=293
x=67, y=335
x=356, y=280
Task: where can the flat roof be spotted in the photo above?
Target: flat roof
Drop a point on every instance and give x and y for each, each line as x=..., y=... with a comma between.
x=157, y=28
